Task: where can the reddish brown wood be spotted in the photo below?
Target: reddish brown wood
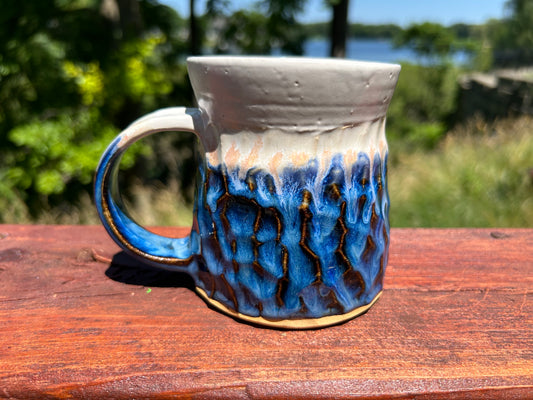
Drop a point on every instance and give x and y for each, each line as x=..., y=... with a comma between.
x=454, y=322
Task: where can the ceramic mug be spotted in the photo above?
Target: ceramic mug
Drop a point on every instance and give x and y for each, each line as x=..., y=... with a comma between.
x=291, y=208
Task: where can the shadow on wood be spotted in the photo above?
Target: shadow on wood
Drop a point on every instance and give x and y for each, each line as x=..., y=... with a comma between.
x=129, y=270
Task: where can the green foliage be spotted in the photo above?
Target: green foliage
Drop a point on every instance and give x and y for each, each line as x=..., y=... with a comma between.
x=315, y=30
x=356, y=30
x=520, y=24
x=436, y=44
x=53, y=153
x=267, y=26
x=482, y=58
x=70, y=79
x=246, y=32
x=74, y=73
x=428, y=39
x=425, y=99
x=512, y=37
x=381, y=31
x=463, y=31
x=422, y=105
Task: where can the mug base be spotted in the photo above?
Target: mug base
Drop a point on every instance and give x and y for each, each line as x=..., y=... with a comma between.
x=304, y=323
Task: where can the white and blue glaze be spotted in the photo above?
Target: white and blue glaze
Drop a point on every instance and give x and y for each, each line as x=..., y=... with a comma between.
x=316, y=246
x=291, y=224
x=128, y=234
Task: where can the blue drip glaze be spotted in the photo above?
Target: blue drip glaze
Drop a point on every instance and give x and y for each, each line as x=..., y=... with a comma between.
x=308, y=245
x=250, y=226
x=133, y=234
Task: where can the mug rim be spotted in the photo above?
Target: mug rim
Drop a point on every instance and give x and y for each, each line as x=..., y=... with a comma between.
x=298, y=61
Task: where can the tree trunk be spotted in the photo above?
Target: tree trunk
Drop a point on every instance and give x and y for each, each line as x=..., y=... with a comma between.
x=194, y=45
x=339, y=29
x=131, y=20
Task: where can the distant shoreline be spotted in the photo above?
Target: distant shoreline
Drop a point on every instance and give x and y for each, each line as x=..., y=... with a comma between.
x=372, y=49
x=320, y=30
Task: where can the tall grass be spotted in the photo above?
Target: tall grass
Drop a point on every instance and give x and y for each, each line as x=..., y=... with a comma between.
x=160, y=205
x=150, y=205
x=480, y=175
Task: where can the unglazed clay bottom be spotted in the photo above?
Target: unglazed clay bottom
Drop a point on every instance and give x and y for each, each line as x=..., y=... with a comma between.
x=303, y=247
x=308, y=323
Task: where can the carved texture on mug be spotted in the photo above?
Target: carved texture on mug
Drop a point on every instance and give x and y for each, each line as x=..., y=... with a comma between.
x=311, y=243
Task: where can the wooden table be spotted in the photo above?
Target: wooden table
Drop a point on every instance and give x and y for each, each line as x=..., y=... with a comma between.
x=78, y=318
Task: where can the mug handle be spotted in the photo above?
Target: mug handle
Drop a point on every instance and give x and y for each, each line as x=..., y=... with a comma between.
x=161, y=251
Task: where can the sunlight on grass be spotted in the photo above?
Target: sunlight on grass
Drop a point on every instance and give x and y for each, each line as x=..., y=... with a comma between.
x=159, y=205
x=479, y=176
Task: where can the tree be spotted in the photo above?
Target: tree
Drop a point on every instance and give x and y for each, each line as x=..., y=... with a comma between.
x=428, y=39
x=339, y=28
x=283, y=27
x=72, y=74
x=268, y=25
x=272, y=24
x=512, y=38
x=194, y=34
x=521, y=24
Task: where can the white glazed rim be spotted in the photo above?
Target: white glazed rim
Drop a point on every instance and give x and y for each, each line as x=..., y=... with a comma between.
x=292, y=94
x=296, y=61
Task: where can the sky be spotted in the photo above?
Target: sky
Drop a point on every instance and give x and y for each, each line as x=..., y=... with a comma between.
x=399, y=12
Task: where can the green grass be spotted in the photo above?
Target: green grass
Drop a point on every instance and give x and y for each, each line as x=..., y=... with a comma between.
x=479, y=175
x=157, y=205
x=162, y=205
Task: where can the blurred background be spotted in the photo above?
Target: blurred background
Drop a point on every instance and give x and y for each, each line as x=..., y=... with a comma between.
x=74, y=73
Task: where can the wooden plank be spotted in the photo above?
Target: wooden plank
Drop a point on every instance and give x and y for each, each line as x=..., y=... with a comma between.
x=81, y=319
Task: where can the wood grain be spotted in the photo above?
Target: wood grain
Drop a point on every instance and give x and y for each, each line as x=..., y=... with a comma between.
x=81, y=319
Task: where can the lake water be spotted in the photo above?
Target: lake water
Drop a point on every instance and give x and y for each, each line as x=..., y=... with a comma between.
x=380, y=50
